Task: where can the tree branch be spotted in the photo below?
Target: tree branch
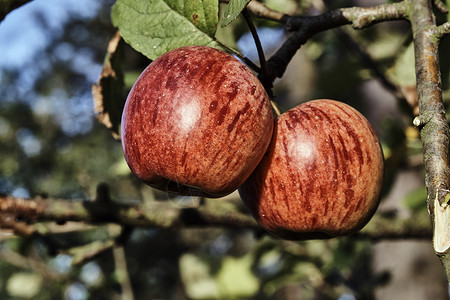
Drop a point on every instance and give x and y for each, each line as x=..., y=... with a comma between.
x=442, y=30
x=440, y=6
x=262, y=11
x=157, y=214
x=259, y=48
x=432, y=121
x=304, y=27
x=213, y=213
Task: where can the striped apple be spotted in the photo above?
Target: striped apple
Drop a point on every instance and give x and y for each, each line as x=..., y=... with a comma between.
x=321, y=176
x=196, y=122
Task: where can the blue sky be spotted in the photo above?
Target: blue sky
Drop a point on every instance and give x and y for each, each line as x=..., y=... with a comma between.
x=21, y=36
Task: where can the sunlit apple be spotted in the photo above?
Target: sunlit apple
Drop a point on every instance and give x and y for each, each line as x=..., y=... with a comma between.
x=196, y=122
x=321, y=176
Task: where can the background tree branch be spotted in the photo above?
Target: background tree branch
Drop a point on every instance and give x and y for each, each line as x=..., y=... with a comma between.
x=304, y=27
x=262, y=11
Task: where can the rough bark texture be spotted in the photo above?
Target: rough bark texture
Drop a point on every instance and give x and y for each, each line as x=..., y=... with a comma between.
x=434, y=127
x=213, y=213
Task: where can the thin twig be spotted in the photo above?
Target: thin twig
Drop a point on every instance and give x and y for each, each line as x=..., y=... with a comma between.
x=262, y=11
x=442, y=30
x=259, y=47
x=122, y=273
x=440, y=6
x=304, y=27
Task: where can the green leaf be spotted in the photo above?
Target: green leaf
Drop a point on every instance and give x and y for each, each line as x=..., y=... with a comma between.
x=416, y=200
x=154, y=27
x=234, y=8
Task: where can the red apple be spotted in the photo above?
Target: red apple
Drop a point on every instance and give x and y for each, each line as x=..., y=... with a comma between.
x=321, y=176
x=197, y=122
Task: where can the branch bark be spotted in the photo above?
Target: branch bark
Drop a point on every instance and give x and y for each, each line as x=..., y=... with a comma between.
x=261, y=10
x=165, y=215
x=432, y=121
x=304, y=27
x=158, y=214
x=442, y=30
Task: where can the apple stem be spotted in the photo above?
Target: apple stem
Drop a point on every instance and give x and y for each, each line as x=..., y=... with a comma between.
x=259, y=48
x=275, y=108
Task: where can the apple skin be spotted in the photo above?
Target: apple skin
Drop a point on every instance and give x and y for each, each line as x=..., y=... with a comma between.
x=196, y=122
x=321, y=176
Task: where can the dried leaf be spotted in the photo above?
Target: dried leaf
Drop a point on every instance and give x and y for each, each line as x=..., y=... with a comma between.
x=108, y=91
